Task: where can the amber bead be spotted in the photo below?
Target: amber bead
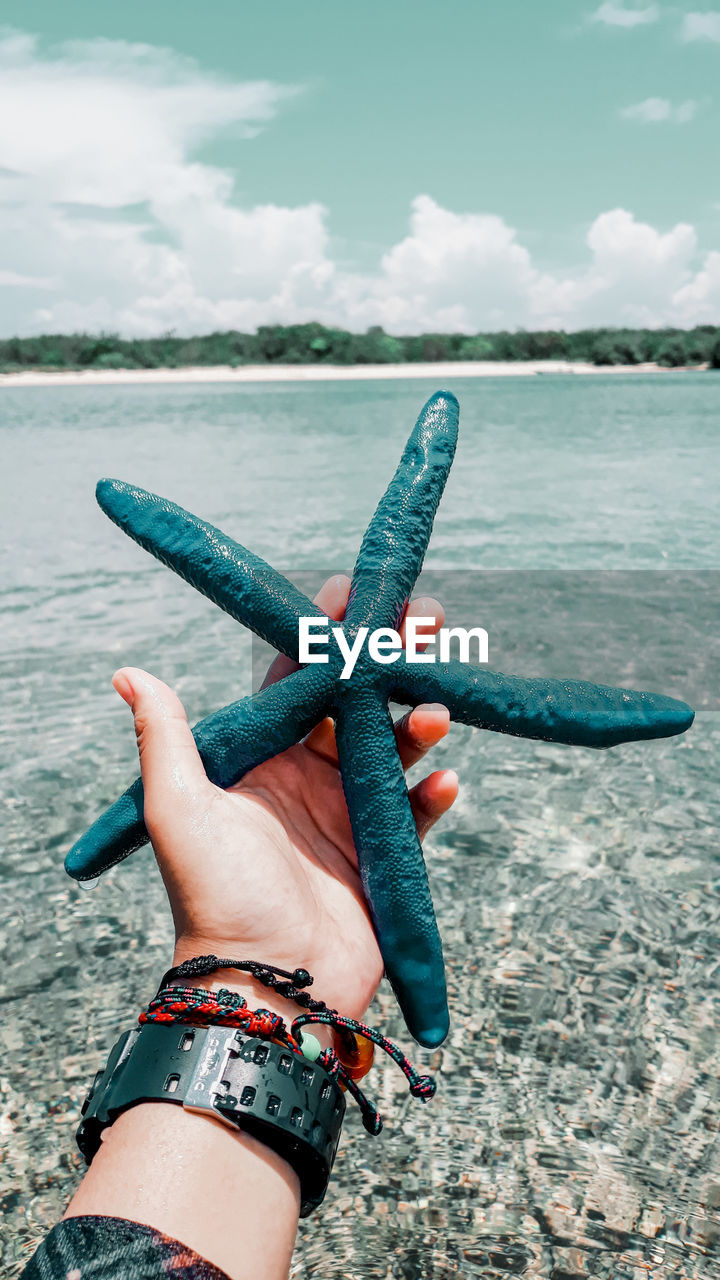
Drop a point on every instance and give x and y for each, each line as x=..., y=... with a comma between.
x=358, y=1061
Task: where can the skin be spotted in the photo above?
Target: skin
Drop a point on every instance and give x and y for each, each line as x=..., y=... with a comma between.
x=265, y=870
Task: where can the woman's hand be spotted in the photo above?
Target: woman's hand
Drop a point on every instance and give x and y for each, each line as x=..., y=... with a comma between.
x=267, y=870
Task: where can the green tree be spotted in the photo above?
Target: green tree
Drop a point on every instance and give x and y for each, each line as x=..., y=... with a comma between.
x=477, y=348
x=604, y=350
x=317, y=343
x=378, y=347
x=672, y=353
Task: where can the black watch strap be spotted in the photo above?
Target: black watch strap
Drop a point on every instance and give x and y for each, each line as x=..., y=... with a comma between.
x=291, y=1104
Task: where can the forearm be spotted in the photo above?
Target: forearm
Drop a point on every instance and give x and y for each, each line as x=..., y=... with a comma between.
x=216, y=1189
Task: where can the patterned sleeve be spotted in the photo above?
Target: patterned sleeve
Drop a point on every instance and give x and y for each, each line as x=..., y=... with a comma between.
x=96, y=1248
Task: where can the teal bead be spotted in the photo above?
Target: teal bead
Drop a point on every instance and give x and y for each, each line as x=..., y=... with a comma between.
x=310, y=1046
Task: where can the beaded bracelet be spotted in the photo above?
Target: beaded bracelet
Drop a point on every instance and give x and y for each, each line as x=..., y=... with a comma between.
x=348, y=1062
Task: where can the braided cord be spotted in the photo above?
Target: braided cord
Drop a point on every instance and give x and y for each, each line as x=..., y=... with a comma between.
x=218, y=1008
x=190, y=1004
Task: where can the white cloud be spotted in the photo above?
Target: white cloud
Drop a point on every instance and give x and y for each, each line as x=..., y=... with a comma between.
x=469, y=272
x=109, y=220
x=450, y=267
x=635, y=271
x=616, y=15
x=13, y=279
x=698, y=301
x=100, y=191
x=657, y=110
x=701, y=26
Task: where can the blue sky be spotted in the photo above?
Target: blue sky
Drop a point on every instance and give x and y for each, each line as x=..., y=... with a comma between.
x=464, y=165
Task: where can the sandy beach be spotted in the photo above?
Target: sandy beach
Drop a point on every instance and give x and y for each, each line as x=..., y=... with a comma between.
x=438, y=372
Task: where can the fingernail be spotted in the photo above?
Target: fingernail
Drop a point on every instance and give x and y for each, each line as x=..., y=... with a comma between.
x=439, y=730
x=122, y=685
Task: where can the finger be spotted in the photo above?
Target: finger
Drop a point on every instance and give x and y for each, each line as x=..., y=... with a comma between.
x=432, y=797
x=332, y=598
x=321, y=740
x=169, y=761
x=419, y=730
x=423, y=607
x=415, y=734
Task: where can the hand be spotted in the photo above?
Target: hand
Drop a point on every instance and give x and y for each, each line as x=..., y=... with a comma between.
x=268, y=870
x=265, y=871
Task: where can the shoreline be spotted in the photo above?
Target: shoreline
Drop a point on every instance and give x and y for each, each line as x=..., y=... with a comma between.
x=317, y=373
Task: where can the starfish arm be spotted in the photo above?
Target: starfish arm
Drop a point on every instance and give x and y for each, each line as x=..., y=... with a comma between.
x=391, y=863
x=568, y=711
x=231, y=742
x=396, y=539
x=232, y=577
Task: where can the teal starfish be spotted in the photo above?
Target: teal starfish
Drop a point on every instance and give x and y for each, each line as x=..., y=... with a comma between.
x=248, y=732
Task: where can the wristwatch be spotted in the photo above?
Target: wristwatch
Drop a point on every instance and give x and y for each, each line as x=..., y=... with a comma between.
x=291, y=1104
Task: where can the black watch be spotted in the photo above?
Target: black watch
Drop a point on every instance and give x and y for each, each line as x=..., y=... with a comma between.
x=289, y=1103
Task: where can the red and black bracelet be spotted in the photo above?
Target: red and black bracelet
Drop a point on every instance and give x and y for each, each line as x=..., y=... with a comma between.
x=348, y=1061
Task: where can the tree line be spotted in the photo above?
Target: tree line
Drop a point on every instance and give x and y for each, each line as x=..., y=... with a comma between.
x=317, y=344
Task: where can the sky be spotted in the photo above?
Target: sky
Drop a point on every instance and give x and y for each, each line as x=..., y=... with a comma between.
x=458, y=166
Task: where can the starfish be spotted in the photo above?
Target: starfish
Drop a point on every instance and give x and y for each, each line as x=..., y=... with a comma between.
x=234, y=740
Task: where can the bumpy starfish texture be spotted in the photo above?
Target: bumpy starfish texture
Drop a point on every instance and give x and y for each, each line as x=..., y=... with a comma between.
x=246, y=733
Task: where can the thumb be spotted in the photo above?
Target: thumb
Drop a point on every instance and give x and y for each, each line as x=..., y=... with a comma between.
x=171, y=767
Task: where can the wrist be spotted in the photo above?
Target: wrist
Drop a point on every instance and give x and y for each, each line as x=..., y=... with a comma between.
x=223, y=1075
x=257, y=995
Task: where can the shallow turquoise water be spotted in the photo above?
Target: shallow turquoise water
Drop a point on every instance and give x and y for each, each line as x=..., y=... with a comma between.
x=574, y=1132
